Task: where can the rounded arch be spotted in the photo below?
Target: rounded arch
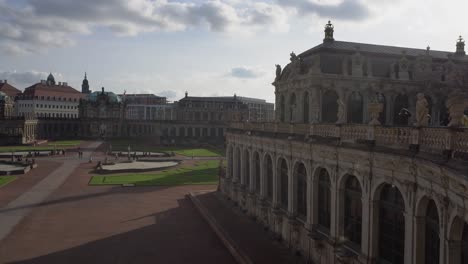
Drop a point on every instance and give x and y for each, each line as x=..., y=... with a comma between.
x=428, y=245
x=344, y=177
x=377, y=188
x=300, y=180
x=237, y=162
x=329, y=106
x=390, y=227
x=322, y=205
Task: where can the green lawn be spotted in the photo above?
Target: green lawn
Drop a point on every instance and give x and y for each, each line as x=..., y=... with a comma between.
x=196, y=152
x=203, y=172
x=60, y=144
x=122, y=145
x=4, y=180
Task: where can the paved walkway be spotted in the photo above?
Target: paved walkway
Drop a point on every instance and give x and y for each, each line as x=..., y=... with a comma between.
x=16, y=210
x=247, y=236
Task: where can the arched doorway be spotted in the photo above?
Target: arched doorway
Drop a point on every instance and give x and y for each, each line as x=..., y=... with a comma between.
x=391, y=226
x=329, y=107
x=301, y=193
x=324, y=200
x=431, y=238
x=353, y=210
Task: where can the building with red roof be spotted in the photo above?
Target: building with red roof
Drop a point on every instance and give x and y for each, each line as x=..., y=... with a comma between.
x=8, y=89
x=49, y=99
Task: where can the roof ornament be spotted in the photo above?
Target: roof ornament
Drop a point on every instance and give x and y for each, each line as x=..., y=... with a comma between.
x=428, y=48
x=460, y=46
x=329, y=29
x=186, y=94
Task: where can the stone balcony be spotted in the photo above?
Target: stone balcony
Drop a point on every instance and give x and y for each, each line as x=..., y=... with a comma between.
x=443, y=142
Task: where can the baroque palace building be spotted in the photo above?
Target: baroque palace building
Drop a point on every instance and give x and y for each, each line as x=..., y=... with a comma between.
x=367, y=161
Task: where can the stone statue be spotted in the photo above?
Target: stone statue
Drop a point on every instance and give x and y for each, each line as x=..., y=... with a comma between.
x=456, y=104
x=278, y=72
x=341, y=111
x=293, y=57
x=422, y=111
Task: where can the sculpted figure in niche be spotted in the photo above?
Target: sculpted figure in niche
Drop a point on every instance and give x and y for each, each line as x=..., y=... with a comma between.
x=341, y=111
x=422, y=111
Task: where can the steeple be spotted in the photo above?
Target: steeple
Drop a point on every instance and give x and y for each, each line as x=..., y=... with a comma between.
x=85, y=85
x=329, y=29
x=460, y=47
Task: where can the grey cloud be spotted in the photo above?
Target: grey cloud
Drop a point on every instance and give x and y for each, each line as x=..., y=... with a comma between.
x=39, y=24
x=245, y=73
x=169, y=94
x=27, y=78
x=346, y=10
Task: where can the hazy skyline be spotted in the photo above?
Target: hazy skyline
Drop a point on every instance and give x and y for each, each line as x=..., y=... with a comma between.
x=207, y=48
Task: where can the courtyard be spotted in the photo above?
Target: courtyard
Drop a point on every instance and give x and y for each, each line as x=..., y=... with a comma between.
x=64, y=212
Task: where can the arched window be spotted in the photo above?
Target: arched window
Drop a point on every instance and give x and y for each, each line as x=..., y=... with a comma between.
x=329, y=107
x=292, y=107
x=353, y=210
x=283, y=172
x=282, y=108
x=431, y=241
x=324, y=199
x=355, y=108
x=269, y=177
x=400, y=111
x=305, y=108
x=301, y=193
x=391, y=226
x=257, y=172
x=247, y=168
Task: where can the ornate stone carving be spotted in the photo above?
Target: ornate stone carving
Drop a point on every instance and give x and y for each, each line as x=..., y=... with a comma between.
x=278, y=72
x=375, y=108
x=422, y=111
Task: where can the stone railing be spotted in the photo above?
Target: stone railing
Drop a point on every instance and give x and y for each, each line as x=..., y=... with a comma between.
x=442, y=140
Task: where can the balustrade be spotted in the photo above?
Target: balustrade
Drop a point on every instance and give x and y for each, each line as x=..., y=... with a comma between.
x=429, y=139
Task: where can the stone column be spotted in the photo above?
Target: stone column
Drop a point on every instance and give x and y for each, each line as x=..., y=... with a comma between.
x=334, y=206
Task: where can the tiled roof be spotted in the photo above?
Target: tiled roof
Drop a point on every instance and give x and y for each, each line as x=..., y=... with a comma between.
x=381, y=49
x=40, y=89
x=9, y=89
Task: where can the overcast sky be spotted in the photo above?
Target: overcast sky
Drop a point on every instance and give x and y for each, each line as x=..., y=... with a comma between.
x=207, y=48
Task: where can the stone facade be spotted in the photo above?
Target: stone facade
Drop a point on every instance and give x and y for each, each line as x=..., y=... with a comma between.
x=334, y=184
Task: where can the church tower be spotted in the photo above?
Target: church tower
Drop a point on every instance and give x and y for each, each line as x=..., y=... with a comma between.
x=85, y=85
